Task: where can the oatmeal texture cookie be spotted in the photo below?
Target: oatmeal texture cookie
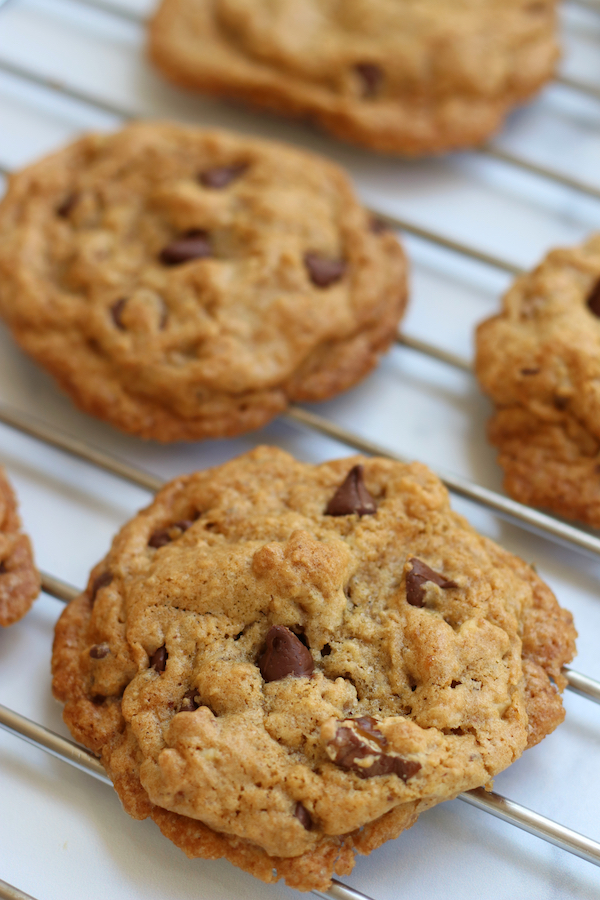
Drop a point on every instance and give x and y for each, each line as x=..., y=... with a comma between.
x=184, y=284
x=399, y=76
x=539, y=361
x=284, y=664
x=19, y=580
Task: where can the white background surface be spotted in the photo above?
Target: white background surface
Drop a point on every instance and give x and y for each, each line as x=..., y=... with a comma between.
x=63, y=835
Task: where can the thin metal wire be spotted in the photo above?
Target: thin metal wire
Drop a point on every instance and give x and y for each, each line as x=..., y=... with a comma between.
x=488, y=150
x=393, y=221
x=78, y=448
x=452, y=359
x=7, y=891
x=582, y=685
x=574, y=84
x=496, y=804
x=519, y=514
x=531, y=519
x=534, y=823
x=71, y=753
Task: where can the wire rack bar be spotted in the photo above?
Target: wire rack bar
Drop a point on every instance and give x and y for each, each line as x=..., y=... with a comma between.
x=496, y=804
x=451, y=359
x=393, y=221
x=534, y=823
x=116, y=9
x=71, y=753
x=487, y=150
x=78, y=448
x=7, y=891
x=524, y=516
x=582, y=685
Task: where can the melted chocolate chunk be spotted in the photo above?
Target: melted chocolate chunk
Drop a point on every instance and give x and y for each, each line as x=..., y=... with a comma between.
x=303, y=816
x=593, y=300
x=159, y=538
x=221, y=176
x=116, y=311
x=101, y=581
x=353, y=743
x=163, y=536
x=284, y=654
x=189, y=702
x=158, y=660
x=100, y=651
x=193, y=245
x=3, y=569
x=378, y=226
x=352, y=496
x=530, y=371
x=323, y=271
x=367, y=726
x=371, y=75
x=416, y=578
x=67, y=205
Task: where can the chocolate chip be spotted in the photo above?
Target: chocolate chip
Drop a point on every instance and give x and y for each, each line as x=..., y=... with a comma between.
x=158, y=660
x=193, y=245
x=530, y=371
x=3, y=569
x=221, y=176
x=116, y=310
x=593, y=300
x=322, y=270
x=303, y=816
x=67, y=205
x=326, y=650
x=367, y=726
x=163, y=536
x=284, y=654
x=378, y=226
x=353, y=743
x=416, y=578
x=101, y=581
x=561, y=402
x=183, y=524
x=159, y=538
x=99, y=651
x=371, y=75
x=189, y=702
x=352, y=496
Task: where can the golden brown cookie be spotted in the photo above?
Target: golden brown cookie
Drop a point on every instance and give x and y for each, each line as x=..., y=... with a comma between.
x=19, y=579
x=400, y=76
x=184, y=284
x=539, y=361
x=284, y=664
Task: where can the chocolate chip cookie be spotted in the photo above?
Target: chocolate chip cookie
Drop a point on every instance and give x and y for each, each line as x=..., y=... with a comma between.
x=399, y=77
x=19, y=580
x=284, y=664
x=539, y=361
x=184, y=284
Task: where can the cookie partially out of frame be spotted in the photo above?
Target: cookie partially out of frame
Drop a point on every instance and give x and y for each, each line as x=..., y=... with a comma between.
x=19, y=579
x=284, y=664
x=394, y=75
x=184, y=284
x=539, y=361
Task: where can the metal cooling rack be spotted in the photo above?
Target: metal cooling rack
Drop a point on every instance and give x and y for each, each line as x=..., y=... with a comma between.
x=52, y=80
